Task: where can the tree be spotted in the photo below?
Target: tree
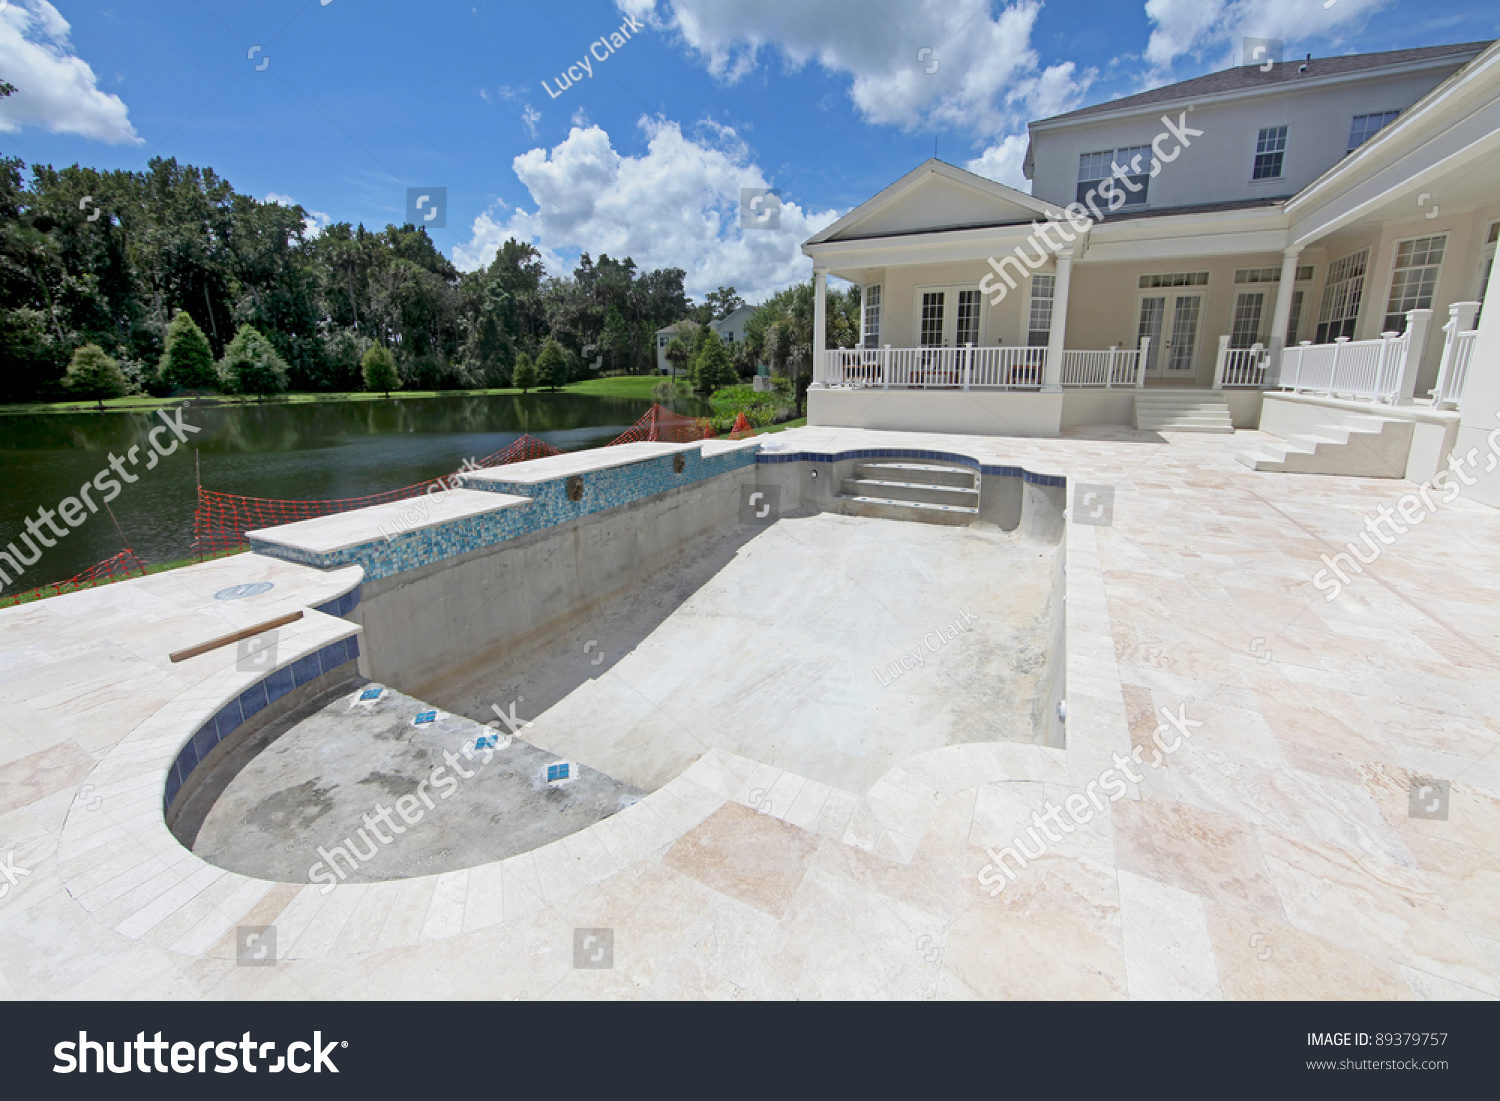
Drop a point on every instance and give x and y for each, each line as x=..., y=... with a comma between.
x=712, y=369
x=93, y=374
x=524, y=375
x=552, y=365
x=379, y=370
x=187, y=361
x=679, y=350
x=723, y=302
x=251, y=365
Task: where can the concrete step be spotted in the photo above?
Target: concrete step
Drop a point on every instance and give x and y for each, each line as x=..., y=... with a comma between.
x=911, y=491
x=918, y=474
x=1363, y=446
x=886, y=508
x=1181, y=413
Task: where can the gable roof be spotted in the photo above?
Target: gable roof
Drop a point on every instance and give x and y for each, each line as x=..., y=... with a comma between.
x=933, y=197
x=1249, y=78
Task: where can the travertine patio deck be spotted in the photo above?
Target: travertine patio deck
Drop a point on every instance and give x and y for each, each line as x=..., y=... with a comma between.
x=1271, y=856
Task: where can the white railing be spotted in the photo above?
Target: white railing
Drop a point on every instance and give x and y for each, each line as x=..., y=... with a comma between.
x=1241, y=367
x=1458, y=350
x=1115, y=367
x=967, y=368
x=1348, y=368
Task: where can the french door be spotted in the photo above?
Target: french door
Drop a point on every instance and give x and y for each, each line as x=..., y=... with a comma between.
x=1173, y=320
x=947, y=317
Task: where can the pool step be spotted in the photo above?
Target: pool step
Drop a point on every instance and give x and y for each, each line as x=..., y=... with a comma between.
x=913, y=491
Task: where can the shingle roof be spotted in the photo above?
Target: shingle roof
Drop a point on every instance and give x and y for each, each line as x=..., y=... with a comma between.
x=1250, y=78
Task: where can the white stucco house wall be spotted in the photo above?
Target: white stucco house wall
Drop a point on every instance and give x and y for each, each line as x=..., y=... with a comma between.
x=1179, y=241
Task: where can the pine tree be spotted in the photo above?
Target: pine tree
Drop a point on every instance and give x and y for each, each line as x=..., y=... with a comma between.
x=188, y=362
x=380, y=370
x=93, y=374
x=552, y=365
x=251, y=365
x=524, y=375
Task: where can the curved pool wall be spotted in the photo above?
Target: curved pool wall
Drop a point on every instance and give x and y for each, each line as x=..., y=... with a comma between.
x=209, y=759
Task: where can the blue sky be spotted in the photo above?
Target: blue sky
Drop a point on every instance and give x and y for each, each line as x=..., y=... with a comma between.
x=348, y=103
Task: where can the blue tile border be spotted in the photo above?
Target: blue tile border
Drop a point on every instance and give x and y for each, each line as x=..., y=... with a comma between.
x=547, y=506
x=250, y=702
x=342, y=605
x=913, y=453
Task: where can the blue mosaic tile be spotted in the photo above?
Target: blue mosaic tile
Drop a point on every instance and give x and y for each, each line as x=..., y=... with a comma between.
x=279, y=683
x=305, y=669
x=227, y=719
x=253, y=699
x=917, y=454
x=205, y=739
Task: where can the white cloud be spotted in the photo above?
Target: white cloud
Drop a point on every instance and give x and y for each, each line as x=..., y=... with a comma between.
x=1181, y=27
x=984, y=69
x=315, y=221
x=1002, y=162
x=54, y=88
x=676, y=205
x=531, y=116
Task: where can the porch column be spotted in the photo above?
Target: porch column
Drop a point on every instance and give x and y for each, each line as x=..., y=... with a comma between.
x=1282, y=315
x=1052, y=378
x=820, y=329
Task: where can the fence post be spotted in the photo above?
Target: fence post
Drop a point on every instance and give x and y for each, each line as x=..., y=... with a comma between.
x=1140, y=362
x=1460, y=319
x=1219, y=362
x=885, y=368
x=1417, y=324
x=1109, y=379
x=1333, y=374
x=968, y=362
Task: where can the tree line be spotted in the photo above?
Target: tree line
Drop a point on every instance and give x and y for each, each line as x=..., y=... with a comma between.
x=168, y=279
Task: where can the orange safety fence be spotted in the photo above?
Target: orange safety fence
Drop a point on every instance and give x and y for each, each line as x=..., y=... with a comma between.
x=664, y=426
x=222, y=519
x=115, y=568
x=742, y=428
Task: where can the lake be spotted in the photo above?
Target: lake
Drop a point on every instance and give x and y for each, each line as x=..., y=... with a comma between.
x=300, y=452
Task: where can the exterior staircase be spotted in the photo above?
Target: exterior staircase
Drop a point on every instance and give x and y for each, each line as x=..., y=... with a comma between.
x=1360, y=445
x=1182, y=411
x=926, y=492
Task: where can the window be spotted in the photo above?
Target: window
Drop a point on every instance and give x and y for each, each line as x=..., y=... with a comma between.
x=1270, y=151
x=1134, y=164
x=967, y=331
x=1175, y=279
x=1039, y=318
x=1365, y=127
x=1414, y=280
x=1095, y=168
x=1295, y=320
x=1249, y=306
x=932, y=319
x=1341, y=296
x=872, y=316
x=1258, y=275
x=1092, y=168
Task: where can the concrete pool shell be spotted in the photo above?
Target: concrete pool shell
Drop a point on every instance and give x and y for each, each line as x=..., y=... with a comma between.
x=831, y=645
x=1286, y=818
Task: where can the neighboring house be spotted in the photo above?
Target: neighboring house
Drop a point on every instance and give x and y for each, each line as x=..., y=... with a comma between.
x=731, y=330
x=1319, y=200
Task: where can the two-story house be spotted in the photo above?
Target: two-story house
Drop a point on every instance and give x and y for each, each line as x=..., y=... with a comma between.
x=731, y=330
x=1179, y=240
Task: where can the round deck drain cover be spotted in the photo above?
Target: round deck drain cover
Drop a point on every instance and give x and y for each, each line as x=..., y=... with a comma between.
x=240, y=592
